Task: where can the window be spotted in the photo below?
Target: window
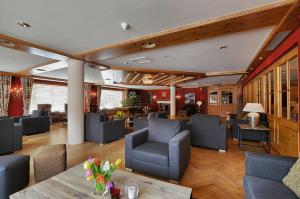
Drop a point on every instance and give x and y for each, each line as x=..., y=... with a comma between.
x=213, y=97
x=271, y=92
x=282, y=86
x=55, y=95
x=293, y=89
x=111, y=98
x=226, y=97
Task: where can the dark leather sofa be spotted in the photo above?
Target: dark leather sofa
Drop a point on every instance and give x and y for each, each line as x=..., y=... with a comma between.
x=99, y=129
x=208, y=131
x=140, y=123
x=161, y=149
x=10, y=136
x=14, y=174
x=264, y=174
x=38, y=122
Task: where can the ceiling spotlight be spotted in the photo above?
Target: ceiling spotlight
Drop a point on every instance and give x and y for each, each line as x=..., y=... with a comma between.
x=41, y=69
x=148, y=44
x=223, y=47
x=125, y=26
x=6, y=43
x=125, y=63
x=23, y=24
x=165, y=56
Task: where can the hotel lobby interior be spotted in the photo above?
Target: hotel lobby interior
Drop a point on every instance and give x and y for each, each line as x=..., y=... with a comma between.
x=149, y=99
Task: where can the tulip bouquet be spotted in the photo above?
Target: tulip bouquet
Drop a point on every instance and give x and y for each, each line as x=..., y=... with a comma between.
x=100, y=172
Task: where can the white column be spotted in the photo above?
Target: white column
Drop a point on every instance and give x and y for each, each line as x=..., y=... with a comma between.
x=75, y=101
x=172, y=102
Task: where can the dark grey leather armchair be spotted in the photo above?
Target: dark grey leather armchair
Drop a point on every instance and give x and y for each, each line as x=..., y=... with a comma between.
x=6, y=136
x=208, y=131
x=100, y=130
x=38, y=122
x=160, y=150
x=141, y=122
x=14, y=174
x=264, y=174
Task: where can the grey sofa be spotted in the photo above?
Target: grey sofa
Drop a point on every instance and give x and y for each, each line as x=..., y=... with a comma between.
x=141, y=122
x=14, y=174
x=100, y=130
x=264, y=174
x=208, y=131
x=160, y=150
x=38, y=122
x=6, y=136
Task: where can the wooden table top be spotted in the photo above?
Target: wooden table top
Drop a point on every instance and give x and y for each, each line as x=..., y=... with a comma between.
x=72, y=184
x=258, y=128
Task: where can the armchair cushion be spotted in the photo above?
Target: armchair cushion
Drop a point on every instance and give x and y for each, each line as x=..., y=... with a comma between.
x=152, y=152
x=163, y=130
x=260, y=188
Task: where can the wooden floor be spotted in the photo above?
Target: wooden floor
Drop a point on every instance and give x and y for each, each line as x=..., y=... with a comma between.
x=210, y=174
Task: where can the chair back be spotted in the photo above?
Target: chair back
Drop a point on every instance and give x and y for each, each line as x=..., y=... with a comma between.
x=6, y=135
x=163, y=130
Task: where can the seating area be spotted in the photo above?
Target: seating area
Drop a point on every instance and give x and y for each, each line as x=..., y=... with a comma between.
x=150, y=99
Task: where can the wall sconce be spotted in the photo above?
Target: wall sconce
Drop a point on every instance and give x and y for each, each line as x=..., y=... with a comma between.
x=178, y=96
x=93, y=94
x=154, y=97
x=16, y=92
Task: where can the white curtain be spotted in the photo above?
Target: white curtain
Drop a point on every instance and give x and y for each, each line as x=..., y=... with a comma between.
x=5, y=84
x=27, y=84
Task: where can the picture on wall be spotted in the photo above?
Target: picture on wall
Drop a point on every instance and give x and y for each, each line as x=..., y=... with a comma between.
x=189, y=98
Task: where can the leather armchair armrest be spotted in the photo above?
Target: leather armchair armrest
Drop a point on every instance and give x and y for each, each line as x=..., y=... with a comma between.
x=268, y=166
x=179, y=154
x=132, y=140
x=222, y=137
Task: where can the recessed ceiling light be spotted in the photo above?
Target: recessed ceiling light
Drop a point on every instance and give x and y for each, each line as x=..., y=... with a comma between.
x=148, y=44
x=166, y=56
x=125, y=26
x=23, y=24
x=6, y=43
x=125, y=63
x=223, y=47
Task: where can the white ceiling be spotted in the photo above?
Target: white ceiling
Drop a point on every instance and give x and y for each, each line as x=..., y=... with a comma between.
x=73, y=26
x=208, y=81
x=91, y=75
x=203, y=55
x=16, y=61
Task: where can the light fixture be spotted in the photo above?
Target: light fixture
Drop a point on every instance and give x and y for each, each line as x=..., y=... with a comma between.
x=223, y=47
x=260, y=58
x=16, y=92
x=154, y=97
x=253, y=116
x=41, y=69
x=125, y=26
x=6, y=43
x=23, y=24
x=148, y=44
x=178, y=96
x=147, y=79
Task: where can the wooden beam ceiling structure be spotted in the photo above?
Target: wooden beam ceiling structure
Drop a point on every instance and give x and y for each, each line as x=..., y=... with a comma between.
x=242, y=21
x=289, y=22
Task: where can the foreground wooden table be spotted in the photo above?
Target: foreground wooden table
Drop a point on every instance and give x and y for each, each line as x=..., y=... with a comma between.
x=72, y=184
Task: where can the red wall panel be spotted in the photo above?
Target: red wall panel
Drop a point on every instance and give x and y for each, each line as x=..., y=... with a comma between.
x=15, y=106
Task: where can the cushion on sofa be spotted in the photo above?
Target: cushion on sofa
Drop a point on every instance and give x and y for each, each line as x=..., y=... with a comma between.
x=153, y=152
x=162, y=130
x=292, y=180
x=260, y=188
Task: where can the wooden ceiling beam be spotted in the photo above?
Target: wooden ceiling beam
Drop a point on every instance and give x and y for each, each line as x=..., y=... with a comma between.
x=242, y=21
x=134, y=78
x=180, y=80
x=225, y=73
x=289, y=22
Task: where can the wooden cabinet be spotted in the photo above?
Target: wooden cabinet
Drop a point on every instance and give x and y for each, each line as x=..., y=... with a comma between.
x=222, y=100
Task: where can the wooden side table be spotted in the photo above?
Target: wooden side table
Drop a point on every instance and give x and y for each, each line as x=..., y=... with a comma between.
x=262, y=130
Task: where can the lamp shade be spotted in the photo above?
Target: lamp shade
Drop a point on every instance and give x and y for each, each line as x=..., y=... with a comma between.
x=254, y=107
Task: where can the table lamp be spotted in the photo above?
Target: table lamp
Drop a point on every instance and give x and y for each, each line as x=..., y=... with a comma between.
x=253, y=116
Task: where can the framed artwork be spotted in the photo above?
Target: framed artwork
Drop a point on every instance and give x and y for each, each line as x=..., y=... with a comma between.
x=189, y=98
x=163, y=94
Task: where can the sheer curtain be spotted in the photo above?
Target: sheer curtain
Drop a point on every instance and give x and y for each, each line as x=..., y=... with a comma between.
x=5, y=84
x=27, y=84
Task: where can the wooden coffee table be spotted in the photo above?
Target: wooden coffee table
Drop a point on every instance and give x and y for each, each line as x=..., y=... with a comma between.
x=72, y=184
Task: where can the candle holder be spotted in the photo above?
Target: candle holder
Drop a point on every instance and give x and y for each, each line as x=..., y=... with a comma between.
x=131, y=189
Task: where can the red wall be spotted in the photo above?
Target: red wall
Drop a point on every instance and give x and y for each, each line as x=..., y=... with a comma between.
x=15, y=106
x=292, y=41
x=201, y=94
